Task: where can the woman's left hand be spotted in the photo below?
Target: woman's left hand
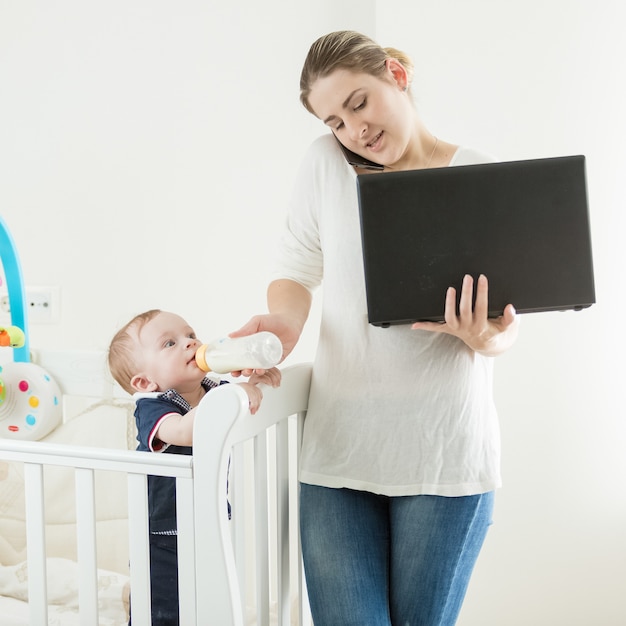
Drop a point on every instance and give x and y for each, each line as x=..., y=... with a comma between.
x=489, y=336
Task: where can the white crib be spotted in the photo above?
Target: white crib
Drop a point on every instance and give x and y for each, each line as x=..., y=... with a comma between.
x=225, y=567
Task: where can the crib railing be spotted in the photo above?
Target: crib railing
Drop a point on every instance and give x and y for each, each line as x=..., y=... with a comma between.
x=215, y=555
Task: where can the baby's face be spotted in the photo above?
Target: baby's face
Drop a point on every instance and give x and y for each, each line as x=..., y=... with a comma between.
x=167, y=348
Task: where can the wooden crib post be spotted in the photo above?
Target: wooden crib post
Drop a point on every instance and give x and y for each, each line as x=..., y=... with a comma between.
x=223, y=421
x=217, y=586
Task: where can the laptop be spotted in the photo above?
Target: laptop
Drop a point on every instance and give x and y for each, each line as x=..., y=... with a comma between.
x=524, y=224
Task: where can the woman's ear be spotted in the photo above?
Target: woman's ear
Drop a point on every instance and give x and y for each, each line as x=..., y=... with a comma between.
x=142, y=384
x=398, y=73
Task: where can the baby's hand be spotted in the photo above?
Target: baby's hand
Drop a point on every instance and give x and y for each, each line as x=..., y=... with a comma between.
x=255, y=395
x=270, y=377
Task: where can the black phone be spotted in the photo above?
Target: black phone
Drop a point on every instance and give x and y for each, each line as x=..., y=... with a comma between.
x=358, y=161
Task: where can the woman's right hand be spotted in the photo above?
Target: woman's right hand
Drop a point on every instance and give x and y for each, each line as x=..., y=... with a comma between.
x=284, y=327
x=289, y=303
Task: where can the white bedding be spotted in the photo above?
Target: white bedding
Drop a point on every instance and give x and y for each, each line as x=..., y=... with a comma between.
x=113, y=595
x=107, y=424
x=113, y=591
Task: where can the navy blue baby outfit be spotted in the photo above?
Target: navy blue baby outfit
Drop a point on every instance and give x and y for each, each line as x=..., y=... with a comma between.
x=150, y=409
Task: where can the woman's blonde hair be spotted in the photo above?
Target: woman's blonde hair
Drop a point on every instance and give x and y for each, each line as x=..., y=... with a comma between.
x=347, y=50
x=122, y=355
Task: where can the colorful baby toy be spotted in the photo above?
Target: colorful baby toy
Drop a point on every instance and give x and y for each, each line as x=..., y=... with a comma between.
x=30, y=399
x=12, y=337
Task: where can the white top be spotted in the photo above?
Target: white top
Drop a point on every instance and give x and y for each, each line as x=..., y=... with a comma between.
x=392, y=410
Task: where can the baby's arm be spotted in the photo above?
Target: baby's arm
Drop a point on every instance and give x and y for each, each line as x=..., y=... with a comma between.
x=255, y=395
x=177, y=429
x=270, y=377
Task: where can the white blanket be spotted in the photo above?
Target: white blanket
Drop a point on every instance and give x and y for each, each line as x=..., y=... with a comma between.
x=62, y=595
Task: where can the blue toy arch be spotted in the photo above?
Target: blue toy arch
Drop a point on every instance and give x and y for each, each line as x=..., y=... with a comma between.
x=30, y=399
x=15, y=289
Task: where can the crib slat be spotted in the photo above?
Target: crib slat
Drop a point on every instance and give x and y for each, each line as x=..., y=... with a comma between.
x=186, y=552
x=139, y=552
x=36, y=542
x=86, y=546
x=261, y=529
x=237, y=496
x=304, y=609
x=282, y=522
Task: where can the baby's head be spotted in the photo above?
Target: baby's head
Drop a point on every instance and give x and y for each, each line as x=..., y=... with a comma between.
x=155, y=351
x=125, y=350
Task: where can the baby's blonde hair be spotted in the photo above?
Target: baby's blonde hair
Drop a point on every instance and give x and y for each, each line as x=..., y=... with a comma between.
x=122, y=354
x=348, y=50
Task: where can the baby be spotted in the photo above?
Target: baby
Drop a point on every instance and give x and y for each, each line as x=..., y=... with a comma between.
x=153, y=358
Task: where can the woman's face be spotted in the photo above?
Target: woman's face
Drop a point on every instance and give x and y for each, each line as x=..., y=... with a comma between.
x=369, y=115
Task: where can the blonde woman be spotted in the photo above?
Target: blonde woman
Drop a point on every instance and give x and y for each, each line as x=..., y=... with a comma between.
x=401, y=449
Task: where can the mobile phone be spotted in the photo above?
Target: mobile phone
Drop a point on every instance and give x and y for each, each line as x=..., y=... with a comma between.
x=358, y=161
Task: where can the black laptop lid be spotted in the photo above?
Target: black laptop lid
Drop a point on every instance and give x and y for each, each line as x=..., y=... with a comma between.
x=524, y=224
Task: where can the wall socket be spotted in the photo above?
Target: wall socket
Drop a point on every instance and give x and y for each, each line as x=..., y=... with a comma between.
x=42, y=305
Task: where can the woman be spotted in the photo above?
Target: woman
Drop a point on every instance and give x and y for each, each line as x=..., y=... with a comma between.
x=400, y=455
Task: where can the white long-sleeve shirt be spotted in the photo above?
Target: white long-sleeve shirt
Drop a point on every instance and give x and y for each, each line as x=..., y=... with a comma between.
x=392, y=410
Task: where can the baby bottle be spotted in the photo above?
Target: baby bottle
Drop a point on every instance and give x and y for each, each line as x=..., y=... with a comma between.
x=230, y=354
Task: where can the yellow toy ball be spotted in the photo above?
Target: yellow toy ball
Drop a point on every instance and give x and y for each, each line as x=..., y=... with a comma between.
x=12, y=337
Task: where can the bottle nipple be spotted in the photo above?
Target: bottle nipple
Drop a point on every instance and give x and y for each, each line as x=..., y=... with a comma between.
x=201, y=358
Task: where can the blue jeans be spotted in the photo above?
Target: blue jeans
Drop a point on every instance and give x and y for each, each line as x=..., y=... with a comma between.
x=373, y=560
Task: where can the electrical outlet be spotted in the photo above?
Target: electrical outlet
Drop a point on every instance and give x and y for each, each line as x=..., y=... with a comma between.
x=42, y=305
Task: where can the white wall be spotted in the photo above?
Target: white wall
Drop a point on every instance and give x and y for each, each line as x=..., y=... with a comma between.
x=523, y=80
x=147, y=149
